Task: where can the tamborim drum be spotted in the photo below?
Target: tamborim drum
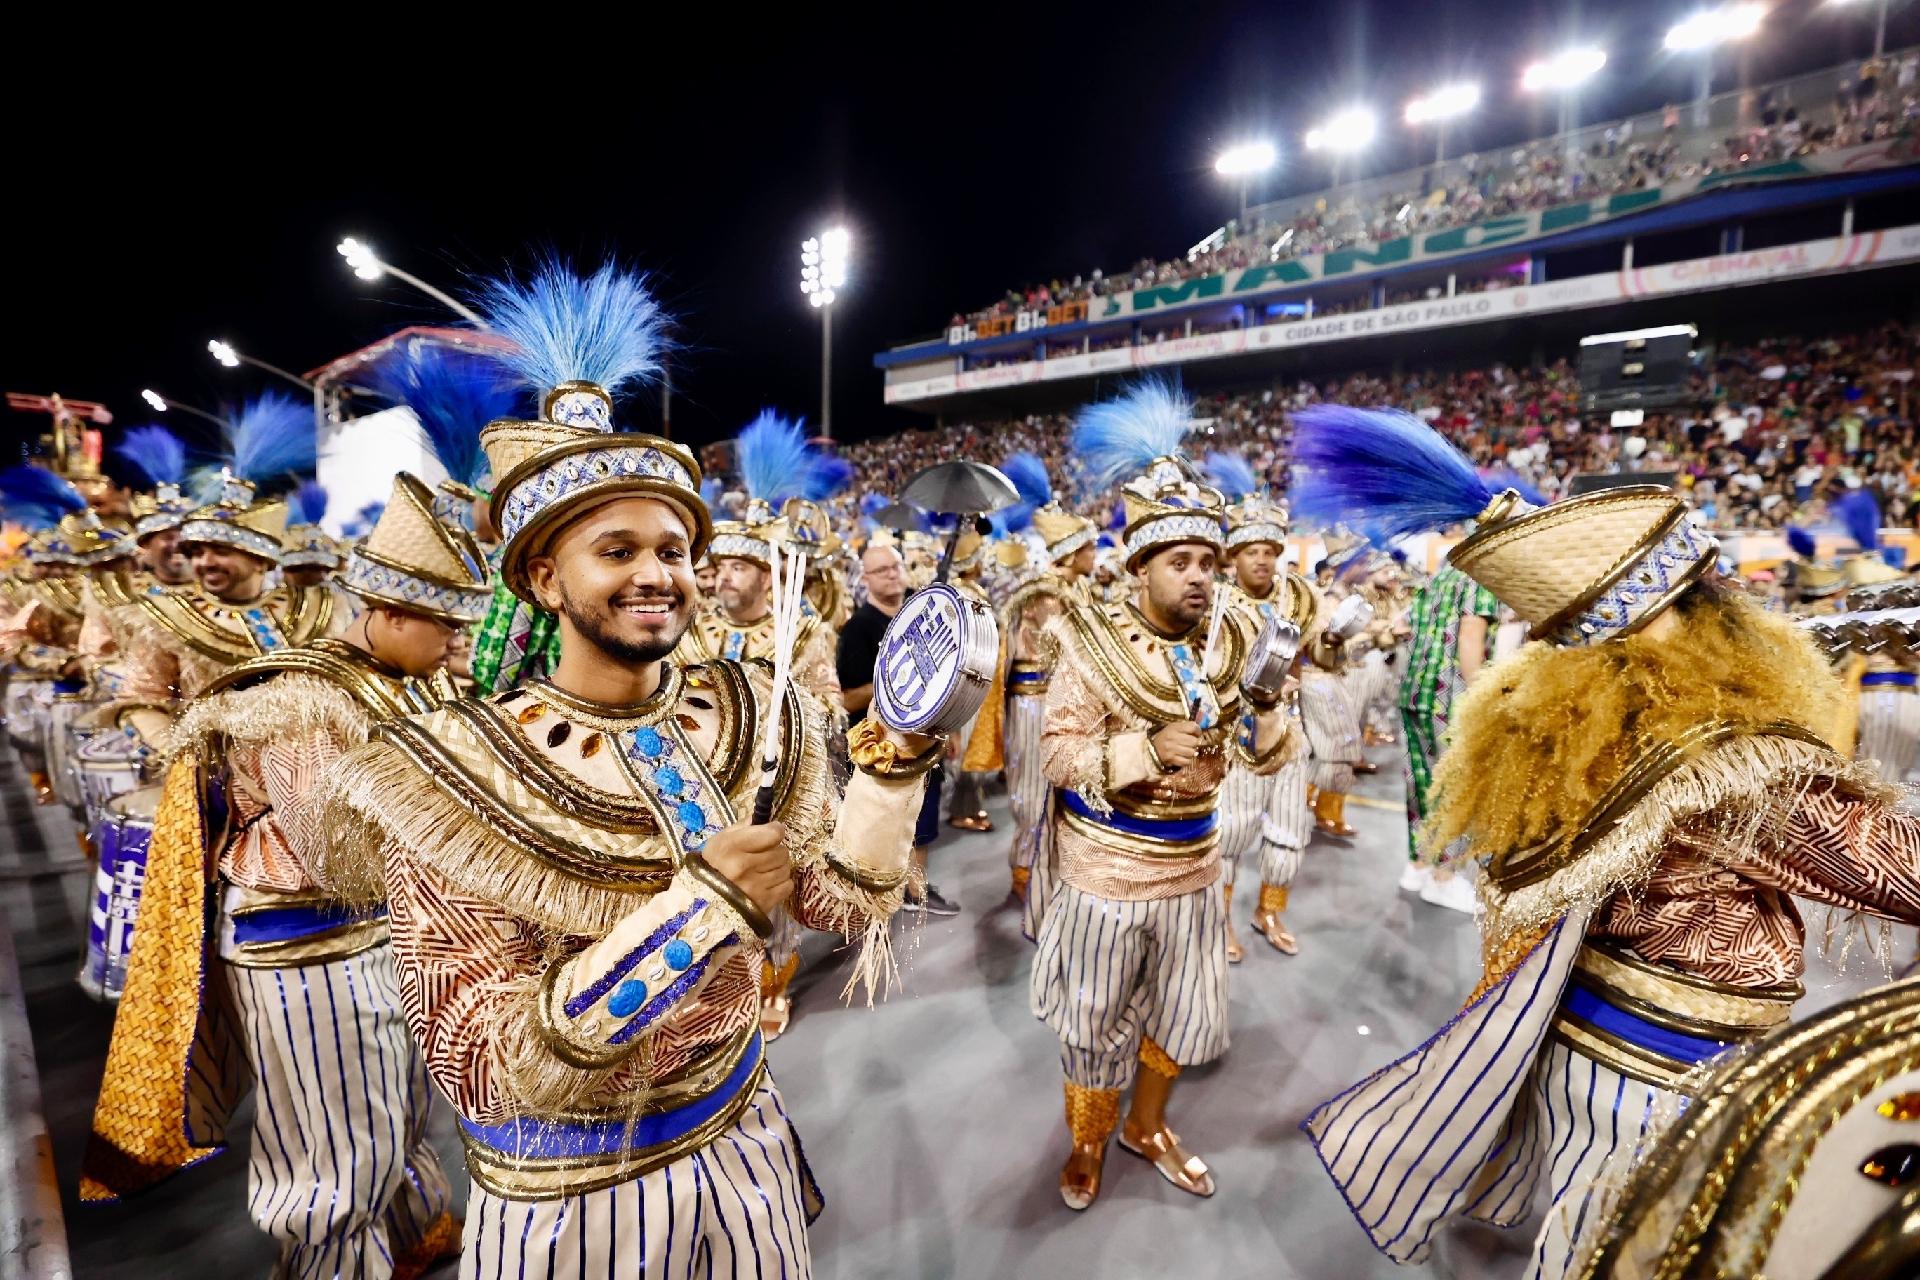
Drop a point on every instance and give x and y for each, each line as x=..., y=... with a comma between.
x=65, y=733
x=1350, y=617
x=936, y=662
x=1271, y=658
x=116, y=899
x=27, y=695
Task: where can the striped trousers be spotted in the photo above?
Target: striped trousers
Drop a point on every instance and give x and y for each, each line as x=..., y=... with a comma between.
x=1333, y=730
x=1890, y=730
x=1269, y=815
x=1027, y=796
x=1109, y=973
x=341, y=1173
x=737, y=1207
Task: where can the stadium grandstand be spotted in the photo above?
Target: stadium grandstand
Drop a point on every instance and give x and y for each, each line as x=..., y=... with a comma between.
x=1783, y=207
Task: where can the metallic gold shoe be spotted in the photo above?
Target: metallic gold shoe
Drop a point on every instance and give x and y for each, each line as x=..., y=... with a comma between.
x=972, y=822
x=1268, y=923
x=1080, y=1175
x=775, y=1013
x=1176, y=1164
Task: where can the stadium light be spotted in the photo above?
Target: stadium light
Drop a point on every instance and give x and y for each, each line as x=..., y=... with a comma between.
x=368, y=265
x=224, y=352
x=823, y=270
x=1444, y=104
x=1710, y=27
x=1440, y=106
x=160, y=404
x=1348, y=130
x=1566, y=70
x=1245, y=162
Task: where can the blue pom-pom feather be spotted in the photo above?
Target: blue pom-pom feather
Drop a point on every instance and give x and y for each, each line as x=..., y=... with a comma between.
x=605, y=328
x=1117, y=438
x=1030, y=479
x=773, y=458
x=157, y=452
x=1232, y=475
x=272, y=438
x=37, y=498
x=454, y=393
x=1859, y=513
x=1382, y=471
x=1801, y=542
x=309, y=503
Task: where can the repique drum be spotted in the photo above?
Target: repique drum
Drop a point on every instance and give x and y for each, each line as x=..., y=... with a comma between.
x=936, y=662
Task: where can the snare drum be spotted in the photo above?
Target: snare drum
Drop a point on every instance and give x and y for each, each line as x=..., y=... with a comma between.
x=27, y=695
x=936, y=662
x=65, y=734
x=123, y=840
x=111, y=764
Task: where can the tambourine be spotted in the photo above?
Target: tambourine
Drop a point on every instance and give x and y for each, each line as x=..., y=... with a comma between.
x=936, y=662
x=1270, y=660
x=1350, y=618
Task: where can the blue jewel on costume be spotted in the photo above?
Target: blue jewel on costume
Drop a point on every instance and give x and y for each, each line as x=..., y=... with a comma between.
x=629, y=996
x=648, y=740
x=678, y=955
x=668, y=779
x=692, y=817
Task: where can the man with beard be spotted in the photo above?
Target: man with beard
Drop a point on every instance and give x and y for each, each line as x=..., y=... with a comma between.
x=302, y=984
x=1145, y=713
x=883, y=570
x=578, y=902
x=177, y=641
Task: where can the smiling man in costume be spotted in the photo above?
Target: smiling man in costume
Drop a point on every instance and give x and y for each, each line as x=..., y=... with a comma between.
x=578, y=904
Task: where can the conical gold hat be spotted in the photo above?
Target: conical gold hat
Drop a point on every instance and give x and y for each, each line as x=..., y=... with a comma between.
x=1167, y=505
x=413, y=561
x=561, y=467
x=1062, y=531
x=1591, y=568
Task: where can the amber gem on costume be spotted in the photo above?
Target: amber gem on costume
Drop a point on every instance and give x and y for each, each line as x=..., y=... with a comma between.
x=590, y=746
x=532, y=713
x=1894, y=1166
x=1901, y=1106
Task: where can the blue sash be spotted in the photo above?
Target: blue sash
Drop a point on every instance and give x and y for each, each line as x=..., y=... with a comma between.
x=1900, y=679
x=1168, y=829
x=284, y=924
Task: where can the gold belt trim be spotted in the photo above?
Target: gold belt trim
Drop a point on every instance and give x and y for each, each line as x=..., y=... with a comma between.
x=1138, y=846
x=316, y=948
x=554, y=1177
x=1164, y=810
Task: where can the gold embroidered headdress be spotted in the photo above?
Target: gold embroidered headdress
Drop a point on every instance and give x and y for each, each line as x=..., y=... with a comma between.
x=578, y=342
x=1137, y=441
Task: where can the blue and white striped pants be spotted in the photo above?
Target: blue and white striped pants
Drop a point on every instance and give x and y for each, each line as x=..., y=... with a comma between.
x=1890, y=731
x=341, y=1173
x=1027, y=795
x=1269, y=814
x=735, y=1208
x=1109, y=973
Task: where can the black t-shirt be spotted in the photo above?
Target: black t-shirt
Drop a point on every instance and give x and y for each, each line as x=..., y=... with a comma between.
x=860, y=650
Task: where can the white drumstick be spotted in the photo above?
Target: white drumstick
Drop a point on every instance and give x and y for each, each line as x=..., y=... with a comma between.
x=789, y=594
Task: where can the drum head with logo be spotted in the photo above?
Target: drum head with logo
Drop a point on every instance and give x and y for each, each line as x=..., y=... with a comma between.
x=936, y=661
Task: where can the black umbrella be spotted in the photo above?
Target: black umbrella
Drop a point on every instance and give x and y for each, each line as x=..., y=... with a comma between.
x=898, y=515
x=960, y=488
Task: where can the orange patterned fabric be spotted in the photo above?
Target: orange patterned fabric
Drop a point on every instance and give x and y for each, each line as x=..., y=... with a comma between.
x=1273, y=897
x=1156, y=1060
x=1725, y=914
x=280, y=828
x=1092, y=1114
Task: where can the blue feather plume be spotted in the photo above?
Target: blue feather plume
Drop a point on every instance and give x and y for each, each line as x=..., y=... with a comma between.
x=1017, y=518
x=1800, y=542
x=454, y=393
x=1859, y=513
x=710, y=491
x=309, y=503
x=1380, y=470
x=362, y=524
x=773, y=458
x=37, y=498
x=157, y=452
x=1232, y=475
x=1119, y=437
x=202, y=485
x=1030, y=479
x=872, y=504
x=271, y=438
x=605, y=328
x=828, y=477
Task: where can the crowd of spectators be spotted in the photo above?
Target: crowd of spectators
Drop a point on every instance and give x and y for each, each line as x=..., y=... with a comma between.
x=1876, y=100
x=1771, y=431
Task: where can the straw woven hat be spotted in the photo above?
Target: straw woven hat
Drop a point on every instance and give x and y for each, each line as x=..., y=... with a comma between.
x=1062, y=531
x=1590, y=568
x=1868, y=569
x=552, y=473
x=414, y=561
x=236, y=520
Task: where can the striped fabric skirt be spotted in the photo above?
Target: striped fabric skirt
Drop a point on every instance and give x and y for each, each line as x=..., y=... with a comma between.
x=737, y=1207
x=1243, y=803
x=1109, y=973
x=1890, y=730
x=1026, y=784
x=1332, y=728
x=342, y=1174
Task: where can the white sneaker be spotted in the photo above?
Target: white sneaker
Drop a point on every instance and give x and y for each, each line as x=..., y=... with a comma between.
x=1454, y=893
x=1415, y=878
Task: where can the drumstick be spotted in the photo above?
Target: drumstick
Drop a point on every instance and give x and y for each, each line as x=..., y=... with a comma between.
x=1217, y=610
x=789, y=574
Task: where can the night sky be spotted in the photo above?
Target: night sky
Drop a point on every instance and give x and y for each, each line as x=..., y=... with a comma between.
x=162, y=199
